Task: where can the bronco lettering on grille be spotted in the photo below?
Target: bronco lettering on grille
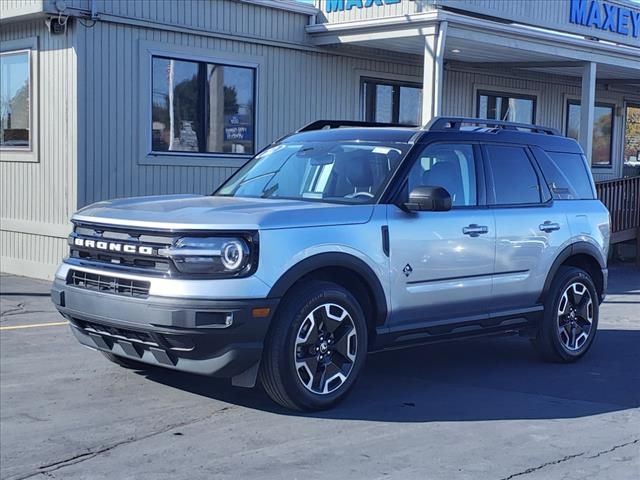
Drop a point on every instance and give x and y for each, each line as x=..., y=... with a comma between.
x=113, y=246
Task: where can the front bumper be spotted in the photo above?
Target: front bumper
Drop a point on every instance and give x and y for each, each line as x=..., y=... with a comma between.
x=209, y=337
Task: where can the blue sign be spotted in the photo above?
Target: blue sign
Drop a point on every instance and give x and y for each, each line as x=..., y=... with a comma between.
x=342, y=5
x=238, y=128
x=605, y=16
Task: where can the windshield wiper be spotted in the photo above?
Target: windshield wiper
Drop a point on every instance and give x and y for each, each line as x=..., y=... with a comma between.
x=270, y=191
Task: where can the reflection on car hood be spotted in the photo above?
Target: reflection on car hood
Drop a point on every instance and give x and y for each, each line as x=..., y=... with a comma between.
x=197, y=212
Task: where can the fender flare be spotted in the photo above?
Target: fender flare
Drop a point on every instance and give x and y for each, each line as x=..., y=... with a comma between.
x=573, y=249
x=334, y=259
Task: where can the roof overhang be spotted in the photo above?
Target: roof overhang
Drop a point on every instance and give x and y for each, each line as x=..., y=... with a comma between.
x=486, y=44
x=18, y=12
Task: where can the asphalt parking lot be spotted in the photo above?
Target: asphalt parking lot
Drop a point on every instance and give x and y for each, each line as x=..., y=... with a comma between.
x=486, y=409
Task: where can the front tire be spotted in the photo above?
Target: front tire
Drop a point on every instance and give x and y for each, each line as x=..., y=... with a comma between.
x=316, y=347
x=570, y=320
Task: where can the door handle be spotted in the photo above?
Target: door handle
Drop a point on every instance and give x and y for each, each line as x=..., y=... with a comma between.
x=474, y=230
x=548, y=226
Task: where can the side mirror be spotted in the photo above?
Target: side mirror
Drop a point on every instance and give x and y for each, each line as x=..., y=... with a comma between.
x=428, y=199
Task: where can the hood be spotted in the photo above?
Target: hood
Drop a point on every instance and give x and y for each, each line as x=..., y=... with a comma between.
x=198, y=212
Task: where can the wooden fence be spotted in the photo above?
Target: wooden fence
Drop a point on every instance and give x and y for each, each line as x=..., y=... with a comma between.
x=622, y=198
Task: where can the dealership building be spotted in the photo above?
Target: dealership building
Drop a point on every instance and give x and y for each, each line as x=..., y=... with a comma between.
x=106, y=98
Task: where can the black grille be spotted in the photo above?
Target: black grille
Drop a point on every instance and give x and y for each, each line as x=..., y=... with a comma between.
x=108, y=284
x=150, y=263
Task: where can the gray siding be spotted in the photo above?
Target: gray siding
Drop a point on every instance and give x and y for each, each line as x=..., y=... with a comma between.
x=294, y=87
x=220, y=16
x=19, y=8
x=39, y=197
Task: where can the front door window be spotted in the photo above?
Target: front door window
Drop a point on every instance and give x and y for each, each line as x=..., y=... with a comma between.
x=450, y=166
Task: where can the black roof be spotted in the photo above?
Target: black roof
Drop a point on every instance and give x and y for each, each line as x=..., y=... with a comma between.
x=441, y=128
x=373, y=134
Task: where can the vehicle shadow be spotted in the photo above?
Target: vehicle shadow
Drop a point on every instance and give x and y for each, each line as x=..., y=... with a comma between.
x=485, y=379
x=624, y=279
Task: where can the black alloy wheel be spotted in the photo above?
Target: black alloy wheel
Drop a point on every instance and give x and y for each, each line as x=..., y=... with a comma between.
x=316, y=347
x=570, y=318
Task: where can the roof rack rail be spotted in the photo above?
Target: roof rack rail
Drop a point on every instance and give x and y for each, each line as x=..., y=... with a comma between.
x=320, y=124
x=455, y=123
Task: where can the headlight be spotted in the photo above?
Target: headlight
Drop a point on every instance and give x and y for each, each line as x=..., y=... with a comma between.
x=210, y=255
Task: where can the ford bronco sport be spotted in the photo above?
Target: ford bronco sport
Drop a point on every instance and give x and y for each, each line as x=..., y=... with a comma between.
x=341, y=239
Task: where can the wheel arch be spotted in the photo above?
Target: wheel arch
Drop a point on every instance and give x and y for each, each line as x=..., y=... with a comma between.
x=344, y=269
x=582, y=255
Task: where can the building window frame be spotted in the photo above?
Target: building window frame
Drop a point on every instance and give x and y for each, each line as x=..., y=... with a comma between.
x=31, y=153
x=396, y=81
x=614, y=125
x=517, y=94
x=149, y=50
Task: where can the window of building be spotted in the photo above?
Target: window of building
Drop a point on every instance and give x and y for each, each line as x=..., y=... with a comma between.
x=15, y=100
x=203, y=108
x=506, y=106
x=601, y=153
x=514, y=179
x=632, y=140
x=450, y=166
x=392, y=102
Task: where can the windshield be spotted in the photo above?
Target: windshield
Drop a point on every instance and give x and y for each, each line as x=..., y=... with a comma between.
x=341, y=172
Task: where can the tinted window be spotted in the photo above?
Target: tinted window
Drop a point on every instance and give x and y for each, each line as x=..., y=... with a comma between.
x=566, y=174
x=202, y=107
x=450, y=166
x=514, y=179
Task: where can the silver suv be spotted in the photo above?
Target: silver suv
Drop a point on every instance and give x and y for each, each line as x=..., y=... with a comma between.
x=341, y=239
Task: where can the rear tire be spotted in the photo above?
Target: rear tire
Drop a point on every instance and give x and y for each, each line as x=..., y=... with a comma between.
x=570, y=318
x=125, y=362
x=316, y=347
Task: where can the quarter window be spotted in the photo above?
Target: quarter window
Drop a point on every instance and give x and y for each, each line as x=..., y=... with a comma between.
x=450, y=166
x=514, y=179
x=506, y=106
x=15, y=100
x=392, y=102
x=200, y=107
x=567, y=175
x=602, y=131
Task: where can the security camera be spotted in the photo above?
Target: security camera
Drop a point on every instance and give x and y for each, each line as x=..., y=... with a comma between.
x=57, y=25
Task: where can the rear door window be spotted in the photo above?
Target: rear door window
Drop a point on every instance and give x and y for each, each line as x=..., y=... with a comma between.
x=515, y=180
x=566, y=174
